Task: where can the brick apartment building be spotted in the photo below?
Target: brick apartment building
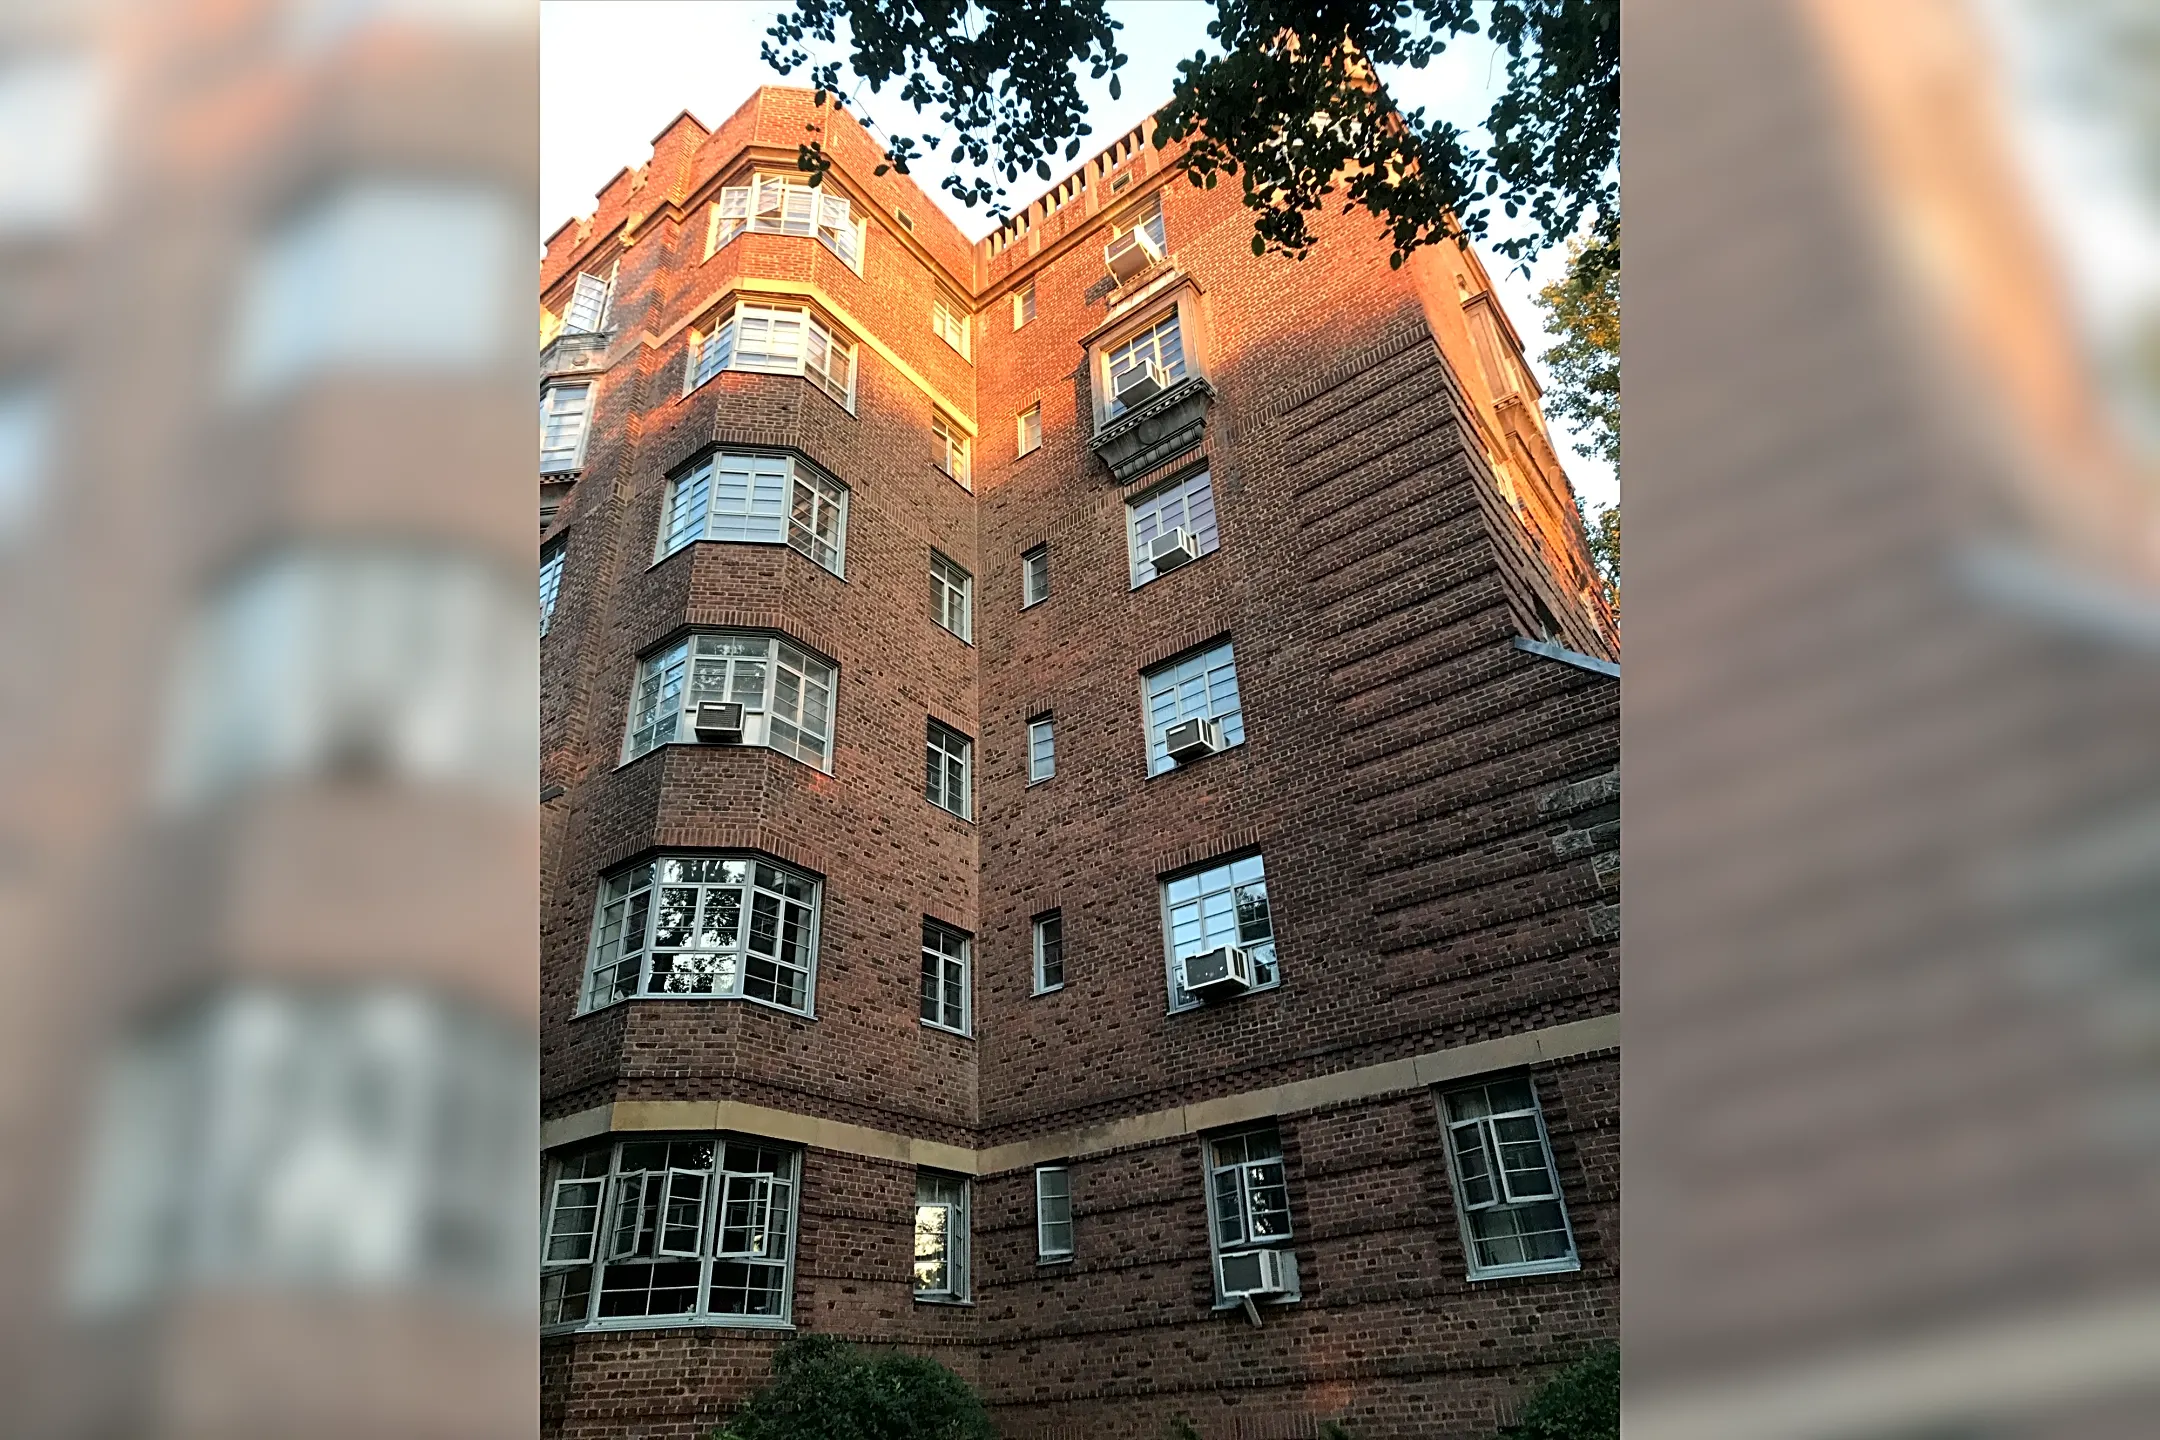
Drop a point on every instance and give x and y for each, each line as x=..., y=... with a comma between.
x=955, y=651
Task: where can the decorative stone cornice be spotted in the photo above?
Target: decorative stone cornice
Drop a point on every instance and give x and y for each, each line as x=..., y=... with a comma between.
x=1166, y=426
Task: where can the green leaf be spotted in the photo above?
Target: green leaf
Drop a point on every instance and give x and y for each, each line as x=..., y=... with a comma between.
x=1117, y=91
x=1259, y=246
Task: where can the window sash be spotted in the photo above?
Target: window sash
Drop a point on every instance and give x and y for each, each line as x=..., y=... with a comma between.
x=581, y=1198
x=1224, y=904
x=753, y=498
x=1161, y=343
x=951, y=595
x=1028, y=434
x=1507, y=1186
x=788, y=696
x=1201, y=686
x=1188, y=503
x=705, y=927
x=562, y=426
x=947, y=764
x=551, y=569
x=591, y=298
x=1042, y=750
x=944, y=978
x=1053, y=1213
x=1049, y=953
x=1035, y=576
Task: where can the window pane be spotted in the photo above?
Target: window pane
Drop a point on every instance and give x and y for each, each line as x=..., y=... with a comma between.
x=1199, y=687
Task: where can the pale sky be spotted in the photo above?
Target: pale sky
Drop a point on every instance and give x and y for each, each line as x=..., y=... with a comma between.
x=613, y=73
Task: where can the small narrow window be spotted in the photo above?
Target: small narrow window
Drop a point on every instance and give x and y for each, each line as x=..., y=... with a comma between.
x=946, y=767
x=944, y=978
x=1249, y=1217
x=1035, y=576
x=952, y=592
x=551, y=563
x=1042, y=750
x=1506, y=1186
x=1029, y=429
x=562, y=427
x=949, y=449
x=941, y=1236
x=1023, y=305
x=950, y=322
x=1049, y=952
x=1053, y=1213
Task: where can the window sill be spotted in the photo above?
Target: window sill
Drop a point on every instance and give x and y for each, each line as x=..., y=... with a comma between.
x=1046, y=990
x=946, y=1302
x=1525, y=1272
x=665, y=1322
x=810, y=1014
x=945, y=1029
x=1139, y=585
x=963, y=819
x=1046, y=1261
x=701, y=745
x=1199, y=1005
x=1188, y=764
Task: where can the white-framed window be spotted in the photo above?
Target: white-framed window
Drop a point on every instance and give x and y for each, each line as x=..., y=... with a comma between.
x=705, y=927
x=776, y=205
x=682, y=1230
x=1049, y=952
x=950, y=323
x=1053, y=1213
x=949, y=449
x=945, y=1003
x=1028, y=429
x=941, y=1236
x=1148, y=217
x=1248, y=1205
x=1042, y=749
x=1023, y=304
x=1507, y=1189
x=1223, y=904
x=562, y=427
x=1200, y=686
x=952, y=595
x=758, y=498
x=551, y=563
x=592, y=299
x=774, y=340
x=1187, y=503
x=946, y=770
x=787, y=694
x=1035, y=576
x=1158, y=343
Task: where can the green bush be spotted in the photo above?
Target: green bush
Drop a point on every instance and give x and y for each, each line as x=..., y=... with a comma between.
x=1582, y=1402
x=826, y=1389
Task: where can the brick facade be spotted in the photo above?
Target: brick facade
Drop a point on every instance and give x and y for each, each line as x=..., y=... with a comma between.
x=1436, y=803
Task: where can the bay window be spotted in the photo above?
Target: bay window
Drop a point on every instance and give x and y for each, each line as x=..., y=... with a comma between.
x=760, y=499
x=773, y=340
x=704, y=927
x=775, y=205
x=786, y=694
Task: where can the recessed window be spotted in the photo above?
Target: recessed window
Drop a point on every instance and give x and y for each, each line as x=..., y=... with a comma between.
x=1249, y=1217
x=1158, y=344
x=775, y=205
x=785, y=692
x=949, y=449
x=689, y=1229
x=1207, y=911
x=1201, y=686
x=1023, y=305
x=1506, y=1186
x=758, y=499
x=944, y=977
x=952, y=592
x=774, y=340
x=946, y=769
x=1053, y=1213
x=704, y=927
x=1028, y=429
x=1049, y=952
x=1035, y=576
x=941, y=1236
x=950, y=323
x=591, y=299
x=562, y=427
x=551, y=563
x=1042, y=749
x=1187, y=505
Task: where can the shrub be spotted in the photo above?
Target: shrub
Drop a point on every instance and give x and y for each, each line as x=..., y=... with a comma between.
x=826, y=1389
x=1582, y=1402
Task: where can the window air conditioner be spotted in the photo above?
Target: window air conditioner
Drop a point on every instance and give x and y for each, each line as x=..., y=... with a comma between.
x=1173, y=548
x=1257, y=1272
x=1216, y=974
x=717, y=724
x=1188, y=740
x=1131, y=253
x=1140, y=384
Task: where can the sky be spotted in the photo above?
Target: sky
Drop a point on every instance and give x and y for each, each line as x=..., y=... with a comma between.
x=613, y=73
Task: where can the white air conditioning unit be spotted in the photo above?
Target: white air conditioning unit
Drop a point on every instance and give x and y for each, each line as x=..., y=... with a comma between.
x=1173, y=548
x=1189, y=740
x=1130, y=254
x=717, y=724
x=1257, y=1272
x=1140, y=384
x=1216, y=974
